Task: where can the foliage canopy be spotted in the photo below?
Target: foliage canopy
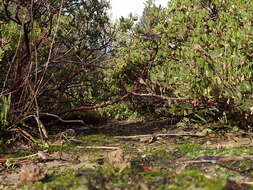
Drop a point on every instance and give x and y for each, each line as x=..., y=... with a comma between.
x=193, y=58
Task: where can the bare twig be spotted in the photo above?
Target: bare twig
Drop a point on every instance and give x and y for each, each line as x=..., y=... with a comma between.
x=246, y=182
x=25, y=134
x=62, y=120
x=42, y=129
x=100, y=147
x=201, y=161
x=219, y=159
x=233, y=158
x=81, y=108
x=159, y=135
x=2, y=160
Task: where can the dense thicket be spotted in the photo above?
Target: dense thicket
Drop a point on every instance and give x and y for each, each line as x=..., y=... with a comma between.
x=52, y=56
x=191, y=59
x=195, y=56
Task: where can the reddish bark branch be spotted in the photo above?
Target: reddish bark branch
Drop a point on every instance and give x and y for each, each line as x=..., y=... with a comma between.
x=163, y=97
x=92, y=107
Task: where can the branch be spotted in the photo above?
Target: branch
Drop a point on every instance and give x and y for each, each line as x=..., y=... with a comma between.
x=82, y=108
x=8, y=14
x=159, y=135
x=62, y=120
x=163, y=97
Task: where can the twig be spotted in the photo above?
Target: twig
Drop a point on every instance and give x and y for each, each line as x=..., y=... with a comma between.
x=233, y=158
x=62, y=120
x=246, y=183
x=201, y=161
x=96, y=106
x=219, y=159
x=159, y=135
x=2, y=160
x=100, y=147
x=179, y=134
x=25, y=134
x=163, y=97
x=42, y=130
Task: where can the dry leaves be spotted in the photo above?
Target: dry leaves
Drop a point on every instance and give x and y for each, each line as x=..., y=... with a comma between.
x=117, y=159
x=4, y=42
x=30, y=174
x=44, y=156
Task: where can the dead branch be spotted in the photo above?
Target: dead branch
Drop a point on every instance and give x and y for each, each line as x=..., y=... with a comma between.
x=24, y=133
x=219, y=159
x=101, y=147
x=201, y=161
x=2, y=160
x=159, y=135
x=96, y=106
x=62, y=120
x=233, y=158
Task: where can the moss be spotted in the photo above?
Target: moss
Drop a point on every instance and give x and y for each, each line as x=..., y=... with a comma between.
x=155, y=165
x=19, y=153
x=95, y=140
x=65, y=180
x=195, y=150
x=194, y=179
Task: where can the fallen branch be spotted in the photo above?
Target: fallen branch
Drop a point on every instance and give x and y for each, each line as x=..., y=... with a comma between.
x=134, y=93
x=246, y=183
x=82, y=108
x=179, y=134
x=43, y=155
x=159, y=135
x=201, y=161
x=220, y=160
x=163, y=97
x=62, y=120
x=2, y=160
x=100, y=147
x=25, y=134
x=233, y=158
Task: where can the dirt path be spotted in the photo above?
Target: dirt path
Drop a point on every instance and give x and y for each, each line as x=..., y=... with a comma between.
x=135, y=155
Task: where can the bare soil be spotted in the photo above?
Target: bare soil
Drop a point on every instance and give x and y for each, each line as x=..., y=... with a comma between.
x=149, y=146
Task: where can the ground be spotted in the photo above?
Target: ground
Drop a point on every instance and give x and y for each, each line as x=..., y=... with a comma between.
x=135, y=155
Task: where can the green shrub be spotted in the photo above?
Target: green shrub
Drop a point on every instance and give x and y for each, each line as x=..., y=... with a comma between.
x=196, y=49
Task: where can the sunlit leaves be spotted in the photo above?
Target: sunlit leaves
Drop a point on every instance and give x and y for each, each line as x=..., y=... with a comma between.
x=204, y=49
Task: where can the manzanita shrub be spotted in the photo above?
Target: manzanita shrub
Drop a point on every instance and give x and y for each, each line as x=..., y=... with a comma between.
x=196, y=49
x=192, y=58
x=52, y=54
